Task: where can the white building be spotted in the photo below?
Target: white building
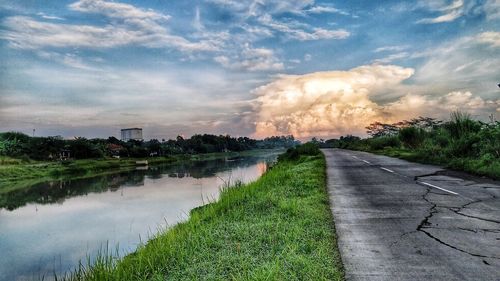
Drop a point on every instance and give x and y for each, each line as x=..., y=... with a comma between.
x=131, y=134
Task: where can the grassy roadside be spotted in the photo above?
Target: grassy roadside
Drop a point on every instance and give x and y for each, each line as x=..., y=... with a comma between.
x=461, y=143
x=16, y=174
x=480, y=167
x=277, y=228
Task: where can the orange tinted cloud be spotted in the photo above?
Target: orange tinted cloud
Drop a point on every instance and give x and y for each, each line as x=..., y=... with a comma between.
x=334, y=103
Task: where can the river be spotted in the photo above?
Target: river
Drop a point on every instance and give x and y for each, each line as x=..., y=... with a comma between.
x=50, y=227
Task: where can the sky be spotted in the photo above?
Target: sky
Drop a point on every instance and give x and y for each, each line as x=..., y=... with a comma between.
x=243, y=67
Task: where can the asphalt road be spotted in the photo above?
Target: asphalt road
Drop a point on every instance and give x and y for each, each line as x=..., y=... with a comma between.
x=398, y=220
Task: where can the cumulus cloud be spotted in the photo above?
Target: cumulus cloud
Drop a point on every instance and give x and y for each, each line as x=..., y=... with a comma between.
x=334, y=103
x=323, y=103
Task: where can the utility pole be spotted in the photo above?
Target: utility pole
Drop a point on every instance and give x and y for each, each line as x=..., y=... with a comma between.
x=34, y=132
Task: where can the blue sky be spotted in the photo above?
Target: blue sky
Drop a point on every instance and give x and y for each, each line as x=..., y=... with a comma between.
x=256, y=68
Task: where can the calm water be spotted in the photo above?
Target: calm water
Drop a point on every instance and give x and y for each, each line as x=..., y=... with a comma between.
x=50, y=227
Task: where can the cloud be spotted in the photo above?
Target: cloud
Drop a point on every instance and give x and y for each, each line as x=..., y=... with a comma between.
x=255, y=8
x=392, y=57
x=424, y=105
x=117, y=10
x=490, y=38
x=259, y=14
x=323, y=103
x=464, y=63
x=49, y=17
x=390, y=48
x=67, y=59
x=292, y=31
x=252, y=59
x=129, y=26
x=117, y=97
x=334, y=103
x=326, y=9
x=448, y=12
x=197, y=24
x=492, y=8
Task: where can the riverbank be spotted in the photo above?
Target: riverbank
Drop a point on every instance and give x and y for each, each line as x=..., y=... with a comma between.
x=16, y=174
x=279, y=227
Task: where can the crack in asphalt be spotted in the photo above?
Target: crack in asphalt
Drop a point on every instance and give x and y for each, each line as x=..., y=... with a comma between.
x=459, y=209
x=424, y=224
x=475, y=217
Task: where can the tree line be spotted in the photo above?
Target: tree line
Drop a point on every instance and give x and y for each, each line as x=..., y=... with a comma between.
x=19, y=145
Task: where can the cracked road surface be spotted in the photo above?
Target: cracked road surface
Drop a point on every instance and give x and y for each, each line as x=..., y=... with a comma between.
x=398, y=220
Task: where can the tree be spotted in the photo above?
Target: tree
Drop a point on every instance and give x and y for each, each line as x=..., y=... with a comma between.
x=379, y=129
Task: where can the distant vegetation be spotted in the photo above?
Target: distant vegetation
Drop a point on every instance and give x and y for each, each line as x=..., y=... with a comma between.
x=277, y=228
x=25, y=148
x=460, y=143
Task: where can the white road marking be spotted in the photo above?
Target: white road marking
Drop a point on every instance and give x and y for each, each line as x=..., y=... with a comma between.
x=366, y=161
x=440, y=188
x=354, y=156
x=385, y=169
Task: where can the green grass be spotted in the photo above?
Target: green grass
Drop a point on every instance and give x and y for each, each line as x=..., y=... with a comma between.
x=277, y=228
x=481, y=167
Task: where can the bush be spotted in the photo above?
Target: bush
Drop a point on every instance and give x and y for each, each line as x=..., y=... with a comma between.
x=309, y=148
x=462, y=125
x=441, y=137
x=412, y=137
x=294, y=153
x=383, y=142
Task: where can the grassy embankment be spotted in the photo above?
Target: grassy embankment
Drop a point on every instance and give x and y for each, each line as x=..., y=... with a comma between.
x=277, y=228
x=461, y=144
x=16, y=173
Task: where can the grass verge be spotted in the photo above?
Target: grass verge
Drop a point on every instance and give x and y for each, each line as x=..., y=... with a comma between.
x=480, y=167
x=277, y=228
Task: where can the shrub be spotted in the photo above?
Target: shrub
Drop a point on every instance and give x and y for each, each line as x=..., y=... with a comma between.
x=465, y=146
x=462, y=125
x=412, y=137
x=307, y=149
x=441, y=137
x=383, y=142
